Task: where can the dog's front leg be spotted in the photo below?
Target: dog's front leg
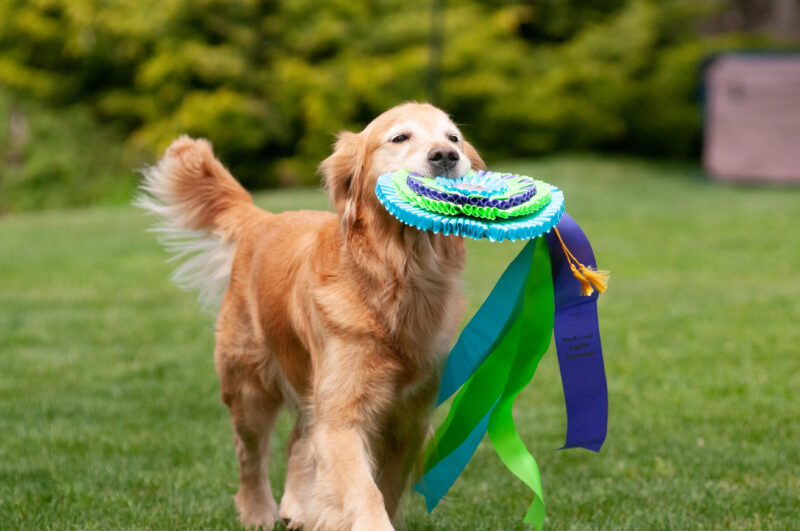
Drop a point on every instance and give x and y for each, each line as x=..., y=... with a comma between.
x=404, y=434
x=344, y=486
x=352, y=391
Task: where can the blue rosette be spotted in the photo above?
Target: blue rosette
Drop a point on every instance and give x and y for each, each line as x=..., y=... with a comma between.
x=497, y=230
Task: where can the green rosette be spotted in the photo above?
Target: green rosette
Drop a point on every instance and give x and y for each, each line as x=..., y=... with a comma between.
x=538, y=201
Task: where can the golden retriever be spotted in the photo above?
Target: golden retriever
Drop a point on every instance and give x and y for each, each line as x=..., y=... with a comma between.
x=343, y=317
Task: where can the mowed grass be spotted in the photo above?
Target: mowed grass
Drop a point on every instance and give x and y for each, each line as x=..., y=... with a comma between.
x=109, y=404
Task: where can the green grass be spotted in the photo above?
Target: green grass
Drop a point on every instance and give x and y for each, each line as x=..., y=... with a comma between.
x=110, y=415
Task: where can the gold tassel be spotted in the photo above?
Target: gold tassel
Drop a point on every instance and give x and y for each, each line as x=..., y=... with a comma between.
x=598, y=278
x=590, y=279
x=586, y=286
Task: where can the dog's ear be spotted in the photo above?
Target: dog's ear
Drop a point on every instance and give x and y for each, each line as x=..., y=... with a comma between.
x=342, y=172
x=475, y=160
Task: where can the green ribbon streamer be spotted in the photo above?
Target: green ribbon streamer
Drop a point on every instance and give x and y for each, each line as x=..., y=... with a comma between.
x=476, y=397
x=496, y=383
x=537, y=315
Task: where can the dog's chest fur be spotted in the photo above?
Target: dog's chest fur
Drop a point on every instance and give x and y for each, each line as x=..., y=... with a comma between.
x=411, y=287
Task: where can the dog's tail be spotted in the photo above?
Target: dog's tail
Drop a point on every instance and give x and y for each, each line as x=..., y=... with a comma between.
x=202, y=209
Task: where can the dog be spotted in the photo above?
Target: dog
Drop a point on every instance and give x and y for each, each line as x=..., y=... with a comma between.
x=344, y=317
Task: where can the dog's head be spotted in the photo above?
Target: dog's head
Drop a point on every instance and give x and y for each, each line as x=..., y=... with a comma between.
x=413, y=136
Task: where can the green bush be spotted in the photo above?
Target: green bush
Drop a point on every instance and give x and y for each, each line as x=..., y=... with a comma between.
x=271, y=82
x=60, y=158
x=626, y=82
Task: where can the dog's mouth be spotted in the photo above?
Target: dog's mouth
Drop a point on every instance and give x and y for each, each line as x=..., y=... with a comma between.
x=449, y=173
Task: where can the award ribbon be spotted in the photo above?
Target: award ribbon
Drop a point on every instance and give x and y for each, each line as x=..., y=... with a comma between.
x=577, y=335
x=497, y=354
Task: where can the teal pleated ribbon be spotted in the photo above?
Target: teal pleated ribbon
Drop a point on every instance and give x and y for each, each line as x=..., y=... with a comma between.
x=504, y=349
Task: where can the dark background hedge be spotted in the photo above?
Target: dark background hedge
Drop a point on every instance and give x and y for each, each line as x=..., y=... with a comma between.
x=90, y=89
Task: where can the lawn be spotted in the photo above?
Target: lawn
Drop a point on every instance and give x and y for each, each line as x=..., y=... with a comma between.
x=109, y=404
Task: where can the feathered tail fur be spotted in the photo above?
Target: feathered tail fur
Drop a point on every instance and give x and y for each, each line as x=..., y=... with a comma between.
x=201, y=208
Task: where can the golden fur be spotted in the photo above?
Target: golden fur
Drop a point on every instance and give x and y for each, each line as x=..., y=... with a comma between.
x=344, y=317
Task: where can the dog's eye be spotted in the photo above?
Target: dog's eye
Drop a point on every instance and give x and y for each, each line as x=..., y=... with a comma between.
x=453, y=138
x=399, y=138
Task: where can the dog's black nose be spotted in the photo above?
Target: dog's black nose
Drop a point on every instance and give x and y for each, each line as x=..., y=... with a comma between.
x=443, y=157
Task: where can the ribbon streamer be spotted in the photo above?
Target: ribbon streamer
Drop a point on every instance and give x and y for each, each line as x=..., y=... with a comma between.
x=535, y=322
x=577, y=334
x=488, y=325
x=497, y=355
x=493, y=384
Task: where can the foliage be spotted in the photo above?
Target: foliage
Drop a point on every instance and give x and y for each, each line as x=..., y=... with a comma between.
x=271, y=81
x=62, y=158
x=110, y=416
x=627, y=82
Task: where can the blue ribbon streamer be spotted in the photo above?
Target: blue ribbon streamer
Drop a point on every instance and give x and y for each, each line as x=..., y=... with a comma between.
x=438, y=480
x=577, y=334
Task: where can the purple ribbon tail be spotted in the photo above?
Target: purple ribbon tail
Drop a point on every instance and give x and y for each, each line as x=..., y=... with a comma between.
x=577, y=336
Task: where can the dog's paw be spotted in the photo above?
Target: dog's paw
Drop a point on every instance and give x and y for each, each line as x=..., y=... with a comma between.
x=380, y=523
x=291, y=511
x=256, y=509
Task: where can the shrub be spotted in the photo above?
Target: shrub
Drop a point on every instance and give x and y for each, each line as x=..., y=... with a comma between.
x=59, y=158
x=271, y=82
